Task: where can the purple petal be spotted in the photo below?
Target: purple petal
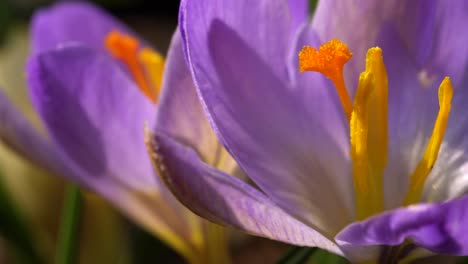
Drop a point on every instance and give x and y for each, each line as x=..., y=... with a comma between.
x=226, y=199
x=72, y=22
x=280, y=139
x=449, y=54
x=299, y=11
x=95, y=115
x=439, y=227
x=18, y=134
x=181, y=114
x=264, y=25
x=93, y=112
x=22, y=137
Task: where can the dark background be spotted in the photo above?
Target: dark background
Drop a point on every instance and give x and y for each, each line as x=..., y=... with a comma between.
x=155, y=19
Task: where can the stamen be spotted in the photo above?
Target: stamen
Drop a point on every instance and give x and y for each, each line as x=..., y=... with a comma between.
x=369, y=136
x=378, y=116
x=359, y=126
x=125, y=48
x=329, y=60
x=431, y=153
x=154, y=64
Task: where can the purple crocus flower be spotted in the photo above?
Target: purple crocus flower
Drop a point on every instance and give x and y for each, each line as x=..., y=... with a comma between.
x=95, y=85
x=92, y=102
x=390, y=185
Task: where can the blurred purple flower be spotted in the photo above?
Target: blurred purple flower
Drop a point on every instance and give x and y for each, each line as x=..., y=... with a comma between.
x=90, y=98
x=290, y=135
x=95, y=84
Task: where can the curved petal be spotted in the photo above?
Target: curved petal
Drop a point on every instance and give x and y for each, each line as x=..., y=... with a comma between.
x=140, y=206
x=226, y=199
x=22, y=137
x=94, y=112
x=95, y=116
x=440, y=228
x=279, y=140
x=181, y=115
x=83, y=99
x=264, y=25
x=72, y=22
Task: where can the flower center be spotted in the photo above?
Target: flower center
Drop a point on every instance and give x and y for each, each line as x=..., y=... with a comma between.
x=368, y=118
x=145, y=65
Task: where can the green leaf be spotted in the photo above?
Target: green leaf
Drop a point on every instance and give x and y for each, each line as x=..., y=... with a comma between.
x=297, y=255
x=69, y=228
x=15, y=229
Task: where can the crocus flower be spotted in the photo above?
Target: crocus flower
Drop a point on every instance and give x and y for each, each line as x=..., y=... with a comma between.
x=37, y=195
x=95, y=85
x=368, y=166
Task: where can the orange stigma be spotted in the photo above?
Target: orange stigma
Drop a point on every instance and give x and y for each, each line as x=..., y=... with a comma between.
x=127, y=49
x=329, y=60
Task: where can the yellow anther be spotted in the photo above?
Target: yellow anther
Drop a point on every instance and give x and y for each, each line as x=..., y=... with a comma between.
x=126, y=48
x=154, y=65
x=378, y=116
x=329, y=60
x=424, y=167
x=359, y=129
x=369, y=136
